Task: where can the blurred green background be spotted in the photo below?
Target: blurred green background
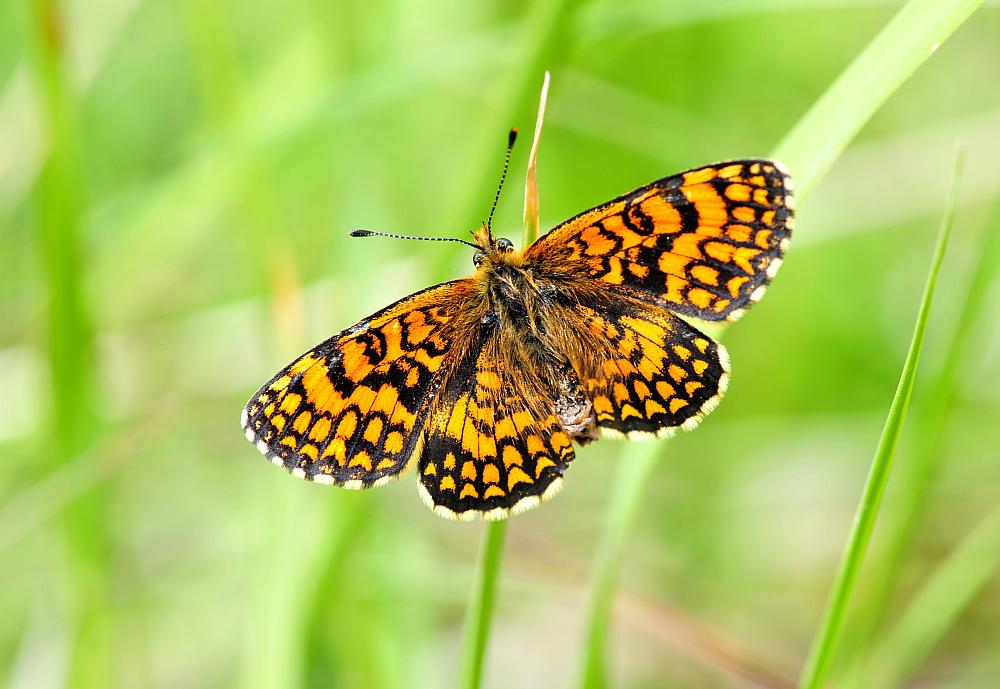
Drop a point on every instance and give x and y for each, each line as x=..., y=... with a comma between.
x=176, y=184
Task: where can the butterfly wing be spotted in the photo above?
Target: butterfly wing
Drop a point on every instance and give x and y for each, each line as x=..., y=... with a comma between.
x=648, y=371
x=494, y=444
x=702, y=243
x=351, y=410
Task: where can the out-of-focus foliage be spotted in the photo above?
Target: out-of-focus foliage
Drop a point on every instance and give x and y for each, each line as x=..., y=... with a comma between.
x=176, y=184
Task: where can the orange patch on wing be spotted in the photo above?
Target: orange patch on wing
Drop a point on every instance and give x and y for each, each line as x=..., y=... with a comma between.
x=516, y=475
x=711, y=209
x=319, y=390
x=665, y=390
x=735, y=284
x=646, y=328
x=488, y=380
x=301, y=422
x=699, y=297
x=290, y=403
x=673, y=264
x=598, y=243
x=361, y=459
x=348, y=424
x=705, y=274
x=281, y=383
x=540, y=466
x=743, y=256
x=699, y=176
x=469, y=470
x=738, y=192
x=493, y=491
x=665, y=216
x=763, y=239
x=491, y=474
x=412, y=378
x=374, y=430
x=653, y=408
x=320, y=429
x=511, y=457
x=394, y=442
x=720, y=251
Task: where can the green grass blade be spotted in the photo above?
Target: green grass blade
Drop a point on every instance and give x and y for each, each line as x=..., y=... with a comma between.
x=917, y=475
x=824, y=649
x=59, y=207
x=480, y=611
x=889, y=60
x=633, y=477
x=809, y=150
x=936, y=606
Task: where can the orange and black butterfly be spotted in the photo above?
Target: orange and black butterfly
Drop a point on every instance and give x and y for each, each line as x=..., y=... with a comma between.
x=483, y=384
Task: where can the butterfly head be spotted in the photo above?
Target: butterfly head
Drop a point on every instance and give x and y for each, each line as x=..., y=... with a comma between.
x=490, y=249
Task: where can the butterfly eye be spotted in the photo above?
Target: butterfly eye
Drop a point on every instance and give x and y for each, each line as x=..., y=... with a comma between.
x=477, y=259
x=504, y=245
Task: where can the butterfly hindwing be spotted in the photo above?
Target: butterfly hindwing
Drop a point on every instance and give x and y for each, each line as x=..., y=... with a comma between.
x=350, y=411
x=493, y=442
x=702, y=243
x=656, y=372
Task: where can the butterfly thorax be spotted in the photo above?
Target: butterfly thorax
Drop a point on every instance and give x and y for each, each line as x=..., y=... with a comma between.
x=513, y=297
x=522, y=305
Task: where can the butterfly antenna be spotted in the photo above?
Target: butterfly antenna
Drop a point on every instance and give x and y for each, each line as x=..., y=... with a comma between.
x=511, y=138
x=370, y=233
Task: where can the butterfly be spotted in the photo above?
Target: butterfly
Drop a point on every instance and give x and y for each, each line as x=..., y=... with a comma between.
x=484, y=384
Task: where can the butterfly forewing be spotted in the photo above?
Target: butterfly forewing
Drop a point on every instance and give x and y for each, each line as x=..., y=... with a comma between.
x=350, y=411
x=702, y=243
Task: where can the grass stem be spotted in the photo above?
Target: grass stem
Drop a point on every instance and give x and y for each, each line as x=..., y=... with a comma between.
x=624, y=506
x=924, y=463
x=480, y=612
x=824, y=649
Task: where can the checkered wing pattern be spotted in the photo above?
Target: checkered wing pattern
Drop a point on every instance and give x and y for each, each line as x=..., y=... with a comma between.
x=350, y=411
x=656, y=373
x=702, y=243
x=493, y=442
